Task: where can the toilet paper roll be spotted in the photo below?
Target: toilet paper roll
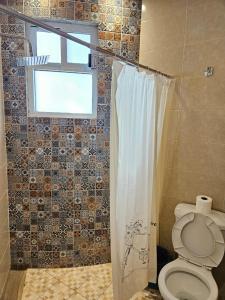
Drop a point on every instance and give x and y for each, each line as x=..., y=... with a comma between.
x=203, y=204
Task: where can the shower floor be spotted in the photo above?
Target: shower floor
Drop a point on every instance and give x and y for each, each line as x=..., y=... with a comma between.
x=84, y=283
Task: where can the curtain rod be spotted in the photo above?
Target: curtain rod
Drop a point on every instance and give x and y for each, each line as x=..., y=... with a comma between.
x=61, y=33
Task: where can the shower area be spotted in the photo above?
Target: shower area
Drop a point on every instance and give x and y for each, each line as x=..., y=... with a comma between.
x=52, y=225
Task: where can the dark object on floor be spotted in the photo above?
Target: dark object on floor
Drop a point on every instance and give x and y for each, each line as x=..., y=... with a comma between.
x=152, y=294
x=163, y=257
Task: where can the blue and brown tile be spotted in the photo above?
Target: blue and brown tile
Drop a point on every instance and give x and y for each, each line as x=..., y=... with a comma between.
x=58, y=169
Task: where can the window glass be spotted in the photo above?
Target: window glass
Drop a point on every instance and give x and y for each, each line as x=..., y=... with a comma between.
x=65, y=87
x=49, y=44
x=63, y=92
x=77, y=53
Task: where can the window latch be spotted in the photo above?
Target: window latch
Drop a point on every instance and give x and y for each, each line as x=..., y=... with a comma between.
x=92, y=61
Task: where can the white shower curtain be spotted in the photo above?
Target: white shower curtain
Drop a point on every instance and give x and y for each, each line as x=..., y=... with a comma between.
x=138, y=106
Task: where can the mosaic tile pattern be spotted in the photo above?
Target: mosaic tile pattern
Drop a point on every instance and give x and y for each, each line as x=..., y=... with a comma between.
x=58, y=169
x=82, y=283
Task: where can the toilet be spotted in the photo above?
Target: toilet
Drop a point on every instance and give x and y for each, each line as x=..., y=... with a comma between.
x=199, y=242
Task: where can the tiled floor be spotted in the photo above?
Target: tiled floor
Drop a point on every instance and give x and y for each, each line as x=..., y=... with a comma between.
x=85, y=283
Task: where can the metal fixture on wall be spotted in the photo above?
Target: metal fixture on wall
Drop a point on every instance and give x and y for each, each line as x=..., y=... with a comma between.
x=209, y=71
x=28, y=60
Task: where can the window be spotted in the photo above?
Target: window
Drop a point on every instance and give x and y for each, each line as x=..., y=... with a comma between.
x=66, y=87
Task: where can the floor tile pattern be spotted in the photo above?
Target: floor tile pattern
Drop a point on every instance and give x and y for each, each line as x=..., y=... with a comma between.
x=58, y=169
x=81, y=283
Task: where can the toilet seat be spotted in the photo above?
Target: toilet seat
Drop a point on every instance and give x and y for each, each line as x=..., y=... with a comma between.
x=180, y=265
x=200, y=245
x=197, y=239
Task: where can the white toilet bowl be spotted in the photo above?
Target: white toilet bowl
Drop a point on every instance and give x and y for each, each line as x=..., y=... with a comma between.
x=184, y=281
x=198, y=240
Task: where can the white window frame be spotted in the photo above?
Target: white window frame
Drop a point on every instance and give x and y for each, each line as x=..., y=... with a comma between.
x=69, y=27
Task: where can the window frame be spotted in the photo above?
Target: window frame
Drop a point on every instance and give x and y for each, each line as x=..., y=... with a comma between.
x=64, y=66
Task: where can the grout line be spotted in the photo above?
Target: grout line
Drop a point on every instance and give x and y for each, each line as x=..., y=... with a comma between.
x=185, y=37
x=81, y=296
x=73, y=291
x=106, y=289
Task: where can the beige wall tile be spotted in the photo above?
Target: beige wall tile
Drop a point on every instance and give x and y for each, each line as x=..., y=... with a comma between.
x=195, y=60
x=215, y=19
x=214, y=123
x=4, y=269
x=196, y=23
x=215, y=91
x=4, y=231
x=146, y=8
x=168, y=60
x=153, y=8
x=193, y=93
x=215, y=51
x=205, y=21
x=184, y=41
x=170, y=32
x=3, y=179
x=192, y=3
x=167, y=219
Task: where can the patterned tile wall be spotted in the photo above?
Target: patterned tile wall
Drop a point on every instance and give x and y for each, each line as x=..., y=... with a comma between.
x=58, y=169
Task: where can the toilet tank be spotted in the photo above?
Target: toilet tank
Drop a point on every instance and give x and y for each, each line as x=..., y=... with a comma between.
x=217, y=216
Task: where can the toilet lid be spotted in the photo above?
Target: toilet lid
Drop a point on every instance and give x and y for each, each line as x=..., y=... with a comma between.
x=198, y=239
